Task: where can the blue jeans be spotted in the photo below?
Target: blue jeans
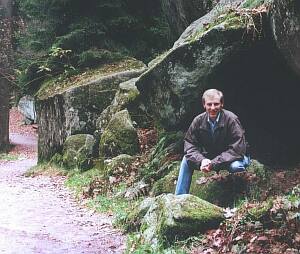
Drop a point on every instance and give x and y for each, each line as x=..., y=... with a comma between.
x=186, y=173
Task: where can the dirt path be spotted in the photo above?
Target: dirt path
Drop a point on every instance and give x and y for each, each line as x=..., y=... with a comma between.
x=39, y=215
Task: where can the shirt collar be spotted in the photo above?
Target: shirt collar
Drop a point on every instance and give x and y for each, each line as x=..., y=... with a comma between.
x=217, y=119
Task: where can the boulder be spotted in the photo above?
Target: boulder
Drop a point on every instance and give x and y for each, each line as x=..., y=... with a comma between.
x=73, y=106
x=170, y=89
x=126, y=93
x=222, y=190
x=119, y=137
x=77, y=151
x=118, y=164
x=26, y=106
x=285, y=23
x=133, y=220
x=173, y=217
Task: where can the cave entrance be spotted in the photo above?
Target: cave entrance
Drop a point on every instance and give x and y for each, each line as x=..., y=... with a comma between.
x=262, y=90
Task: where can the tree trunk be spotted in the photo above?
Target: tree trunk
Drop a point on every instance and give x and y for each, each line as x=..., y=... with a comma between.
x=5, y=67
x=4, y=115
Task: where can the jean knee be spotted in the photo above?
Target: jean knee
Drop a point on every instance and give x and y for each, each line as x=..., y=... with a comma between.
x=236, y=166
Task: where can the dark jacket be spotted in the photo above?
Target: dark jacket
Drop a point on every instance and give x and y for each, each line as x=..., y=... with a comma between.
x=226, y=145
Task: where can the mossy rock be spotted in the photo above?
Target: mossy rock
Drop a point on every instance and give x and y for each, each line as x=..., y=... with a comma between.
x=126, y=93
x=133, y=220
x=119, y=137
x=173, y=217
x=122, y=160
x=77, y=151
x=223, y=191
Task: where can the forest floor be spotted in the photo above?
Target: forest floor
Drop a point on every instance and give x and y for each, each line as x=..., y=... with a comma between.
x=39, y=214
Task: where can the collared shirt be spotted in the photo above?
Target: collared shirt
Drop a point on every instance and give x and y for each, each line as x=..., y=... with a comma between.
x=213, y=124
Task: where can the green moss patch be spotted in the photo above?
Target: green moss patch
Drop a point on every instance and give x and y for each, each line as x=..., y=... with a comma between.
x=61, y=84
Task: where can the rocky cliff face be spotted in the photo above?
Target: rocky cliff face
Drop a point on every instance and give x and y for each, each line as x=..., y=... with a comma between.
x=248, y=54
x=248, y=49
x=64, y=111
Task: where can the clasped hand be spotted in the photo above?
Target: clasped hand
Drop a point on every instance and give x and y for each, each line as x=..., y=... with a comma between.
x=206, y=165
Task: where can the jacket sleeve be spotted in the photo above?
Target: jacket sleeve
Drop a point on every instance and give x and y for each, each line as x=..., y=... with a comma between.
x=192, y=146
x=236, y=147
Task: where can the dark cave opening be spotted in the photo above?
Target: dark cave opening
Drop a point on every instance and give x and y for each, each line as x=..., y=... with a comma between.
x=264, y=92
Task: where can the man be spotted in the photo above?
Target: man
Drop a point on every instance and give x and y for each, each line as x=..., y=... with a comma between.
x=215, y=140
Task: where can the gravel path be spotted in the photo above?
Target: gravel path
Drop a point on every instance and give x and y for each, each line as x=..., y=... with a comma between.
x=39, y=215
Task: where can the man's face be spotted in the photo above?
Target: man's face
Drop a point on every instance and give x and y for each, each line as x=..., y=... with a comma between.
x=213, y=106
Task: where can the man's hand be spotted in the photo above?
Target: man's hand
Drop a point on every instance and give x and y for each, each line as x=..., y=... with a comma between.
x=206, y=165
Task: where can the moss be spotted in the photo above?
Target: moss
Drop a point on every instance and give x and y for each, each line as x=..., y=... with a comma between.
x=77, y=151
x=231, y=19
x=164, y=156
x=119, y=137
x=60, y=84
x=179, y=217
x=254, y=3
x=121, y=160
x=223, y=192
x=133, y=220
x=262, y=210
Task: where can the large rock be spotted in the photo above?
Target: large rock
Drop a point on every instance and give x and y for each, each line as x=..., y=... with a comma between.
x=26, y=106
x=180, y=13
x=222, y=190
x=126, y=94
x=119, y=137
x=285, y=21
x=77, y=151
x=73, y=107
x=117, y=165
x=170, y=89
x=173, y=217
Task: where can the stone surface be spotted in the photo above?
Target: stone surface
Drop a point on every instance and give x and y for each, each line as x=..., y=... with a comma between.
x=126, y=93
x=119, y=137
x=285, y=22
x=181, y=216
x=74, y=109
x=198, y=25
x=26, y=106
x=111, y=165
x=77, y=151
x=170, y=89
x=222, y=191
x=180, y=13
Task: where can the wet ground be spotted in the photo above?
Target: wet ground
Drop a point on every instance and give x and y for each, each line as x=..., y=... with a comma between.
x=39, y=215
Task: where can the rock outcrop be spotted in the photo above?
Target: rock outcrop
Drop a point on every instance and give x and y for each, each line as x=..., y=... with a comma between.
x=73, y=107
x=248, y=54
x=170, y=90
